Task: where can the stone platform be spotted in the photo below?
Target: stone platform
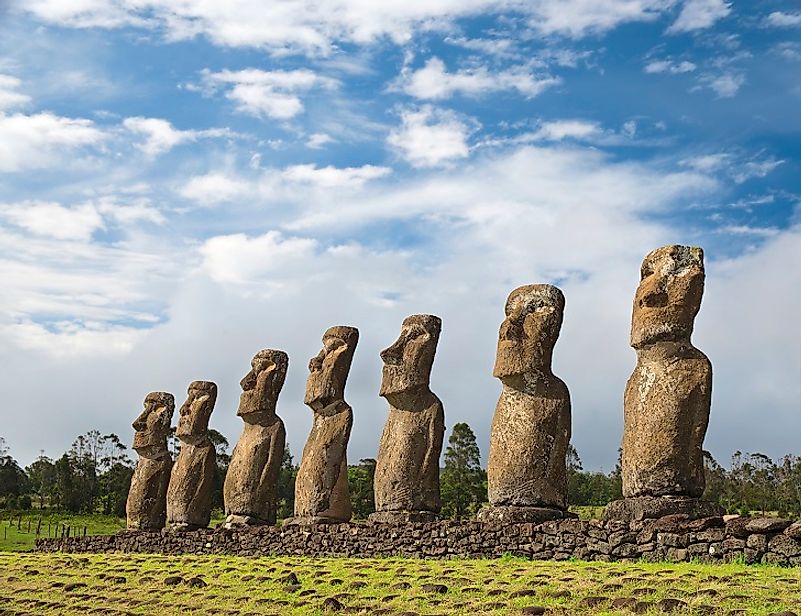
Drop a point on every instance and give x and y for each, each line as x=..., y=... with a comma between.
x=672, y=538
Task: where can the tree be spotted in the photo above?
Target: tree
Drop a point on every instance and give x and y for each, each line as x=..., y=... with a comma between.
x=223, y=459
x=13, y=480
x=286, y=486
x=42, y=476
x=360, y=486
x=463, y=481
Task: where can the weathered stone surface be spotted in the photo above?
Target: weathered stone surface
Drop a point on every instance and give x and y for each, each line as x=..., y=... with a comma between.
x=192, y=479
x=251, y=484
x=557, y=539
x=321, y=487
x=531, y=427
x=510, y=514
x=667, y=399
x=794, y=530
x=406, y=483
x=767, y=525
x=146, y=507
x=652, y=507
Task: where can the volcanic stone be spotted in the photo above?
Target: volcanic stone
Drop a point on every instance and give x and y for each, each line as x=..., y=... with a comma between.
x=251, y=483
x=146, y=507
x=406, y=483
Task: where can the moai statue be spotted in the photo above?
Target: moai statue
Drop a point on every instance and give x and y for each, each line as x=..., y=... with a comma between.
x=530, y=434
x=251, y=484
x=192, y=481
x=667, y=399
x=146, y=507
x=406, y=480
x=321, y=486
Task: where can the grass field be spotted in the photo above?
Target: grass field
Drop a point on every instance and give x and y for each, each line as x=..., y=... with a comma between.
x=142, y=584
x=18, y=530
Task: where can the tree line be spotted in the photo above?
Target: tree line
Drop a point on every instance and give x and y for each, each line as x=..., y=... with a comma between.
x=94, y=475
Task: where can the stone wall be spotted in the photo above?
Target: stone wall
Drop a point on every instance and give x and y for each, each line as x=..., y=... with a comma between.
x=672, y=538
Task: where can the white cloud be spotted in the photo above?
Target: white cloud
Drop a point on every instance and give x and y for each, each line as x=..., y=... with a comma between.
x=240, y=259
x=725, y=85
x=53, y=219
x=318, y=140
x=277, y=184
x=749, y=230
x=9, y=97
x=40, y=140
x=78, y=223
x=781, y=19
x=267, y=94
x=434, y=82
x=577, y=18
x=160, y=135
x=214, y=187
x=557, y=130
x=669, y=66
x=699, y=15
x=430, y=137
x=314, y=27
x=738, y=168
x=707, y=163
x=755, y=169
x=334, y=177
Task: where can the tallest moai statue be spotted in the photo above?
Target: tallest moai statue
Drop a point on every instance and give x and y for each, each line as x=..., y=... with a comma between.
x=667, y=399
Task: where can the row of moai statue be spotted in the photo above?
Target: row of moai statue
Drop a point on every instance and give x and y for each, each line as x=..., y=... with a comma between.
x=666, y=412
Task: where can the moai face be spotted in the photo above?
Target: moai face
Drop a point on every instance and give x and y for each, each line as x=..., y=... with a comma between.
x=407, y=363
x=261, y=386
x=196, y=411
x=669, y=295
x=529, y=332
x=328, y=370
x=153, y=424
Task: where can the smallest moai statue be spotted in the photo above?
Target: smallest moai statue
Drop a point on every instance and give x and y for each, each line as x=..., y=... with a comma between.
x=321, y=486
x=146, y=507
x=192, y=481
x=526, y=470
x=251, y=484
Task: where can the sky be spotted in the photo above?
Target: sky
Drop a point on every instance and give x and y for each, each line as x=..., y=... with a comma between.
x=185, y=183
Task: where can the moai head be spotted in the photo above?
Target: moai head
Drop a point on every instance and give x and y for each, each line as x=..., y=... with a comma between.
x=153, y=424
x=261, y=386
x=407, y=363
x=528, y=334
x=196, y=411
x=328, y=370
x=669, y=295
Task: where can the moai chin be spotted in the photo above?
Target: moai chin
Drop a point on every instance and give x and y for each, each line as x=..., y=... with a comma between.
x=192, y=481
x=146, y=507
x=667, y=399
x=530, y=434
x=251, y=484
x=406, y=483
x=321, y=486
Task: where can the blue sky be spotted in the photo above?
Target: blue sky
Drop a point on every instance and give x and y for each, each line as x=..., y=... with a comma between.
x=182, y=185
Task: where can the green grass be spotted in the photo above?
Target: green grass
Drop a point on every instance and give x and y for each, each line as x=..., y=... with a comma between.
x=15, y=536
x=135, y=584
x=588, y=512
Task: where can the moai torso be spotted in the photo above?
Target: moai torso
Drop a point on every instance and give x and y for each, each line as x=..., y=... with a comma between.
x=668, y=396
x=407, y=468
x=321, y=485
x=531, y=426
x=192, y=481
x=146, y=507
x=251, y=484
